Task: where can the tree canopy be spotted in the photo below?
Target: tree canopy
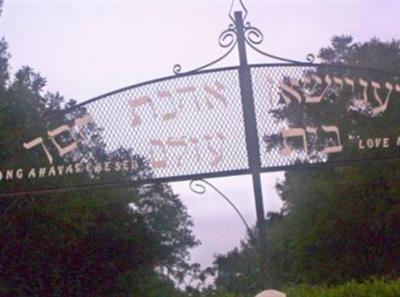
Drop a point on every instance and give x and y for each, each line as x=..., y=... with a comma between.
x=108, y=242
x=338, y=223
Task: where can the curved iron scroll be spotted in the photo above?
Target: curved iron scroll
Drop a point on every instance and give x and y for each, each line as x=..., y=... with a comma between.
x=227, y=39
x=253, y=37
x=197, y=187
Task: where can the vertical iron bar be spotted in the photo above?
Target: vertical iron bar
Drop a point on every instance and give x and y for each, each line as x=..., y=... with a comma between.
x=246, y=90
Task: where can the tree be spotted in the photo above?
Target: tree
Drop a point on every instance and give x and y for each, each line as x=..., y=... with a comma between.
x=109, y=242
x=338, y=223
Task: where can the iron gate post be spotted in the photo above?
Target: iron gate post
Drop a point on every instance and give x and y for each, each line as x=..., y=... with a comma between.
x=252, y=145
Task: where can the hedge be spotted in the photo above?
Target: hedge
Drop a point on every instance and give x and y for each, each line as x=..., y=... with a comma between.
x=371, y=288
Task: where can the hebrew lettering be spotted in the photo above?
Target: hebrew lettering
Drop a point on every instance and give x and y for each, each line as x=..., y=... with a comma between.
x=364, y=100
x=382, y=103
x=311, y=97
x=215, y=146
x=187, y=90
x=35, y=142
x=82, y=122
x=335, y=145
x=195, y=143
x=350, y=82
x=338, y=81
x=314, y=88
x=139, y=102
x=290, y=133
x=180, y=148
x=289, y=89
x=168, y=107
x=175, y=150
x=332, y=144
x=158, y=155
x=215, y=93
x=62, y=148
x=312, y=131
x=58, y=131
x=168, y=104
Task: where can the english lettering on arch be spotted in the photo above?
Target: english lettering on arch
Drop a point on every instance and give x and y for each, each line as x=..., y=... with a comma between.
x=374, y=143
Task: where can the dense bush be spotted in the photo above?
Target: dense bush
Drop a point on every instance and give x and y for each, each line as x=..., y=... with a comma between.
x=372, y=288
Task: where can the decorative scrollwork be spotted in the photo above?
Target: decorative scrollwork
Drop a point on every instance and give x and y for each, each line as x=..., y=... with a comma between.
x=310, y=58
x=177, y=68
x=252, y=34
x=199, y=187
x=228, y=37
x=196, y=187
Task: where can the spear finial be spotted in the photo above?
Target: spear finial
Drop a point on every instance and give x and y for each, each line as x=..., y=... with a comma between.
x=237, y=5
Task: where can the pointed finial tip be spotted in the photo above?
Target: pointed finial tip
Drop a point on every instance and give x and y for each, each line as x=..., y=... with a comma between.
x=237, y=6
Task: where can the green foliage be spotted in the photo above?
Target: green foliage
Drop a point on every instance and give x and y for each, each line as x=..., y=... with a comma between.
x=338, y=223
x=373, y=288
x=238, y=270
x=226, y=294
x=108, y=242
x=341, y=223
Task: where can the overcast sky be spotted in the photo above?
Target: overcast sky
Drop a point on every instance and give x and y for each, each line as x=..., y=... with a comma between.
x=87, y=48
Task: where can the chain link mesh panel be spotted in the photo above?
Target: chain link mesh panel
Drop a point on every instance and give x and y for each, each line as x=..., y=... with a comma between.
x=170, y=128
x=183, y=126
x=192, y=126
x=325, y=114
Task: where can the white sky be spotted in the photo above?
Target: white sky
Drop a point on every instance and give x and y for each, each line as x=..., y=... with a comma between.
x=87, y=48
